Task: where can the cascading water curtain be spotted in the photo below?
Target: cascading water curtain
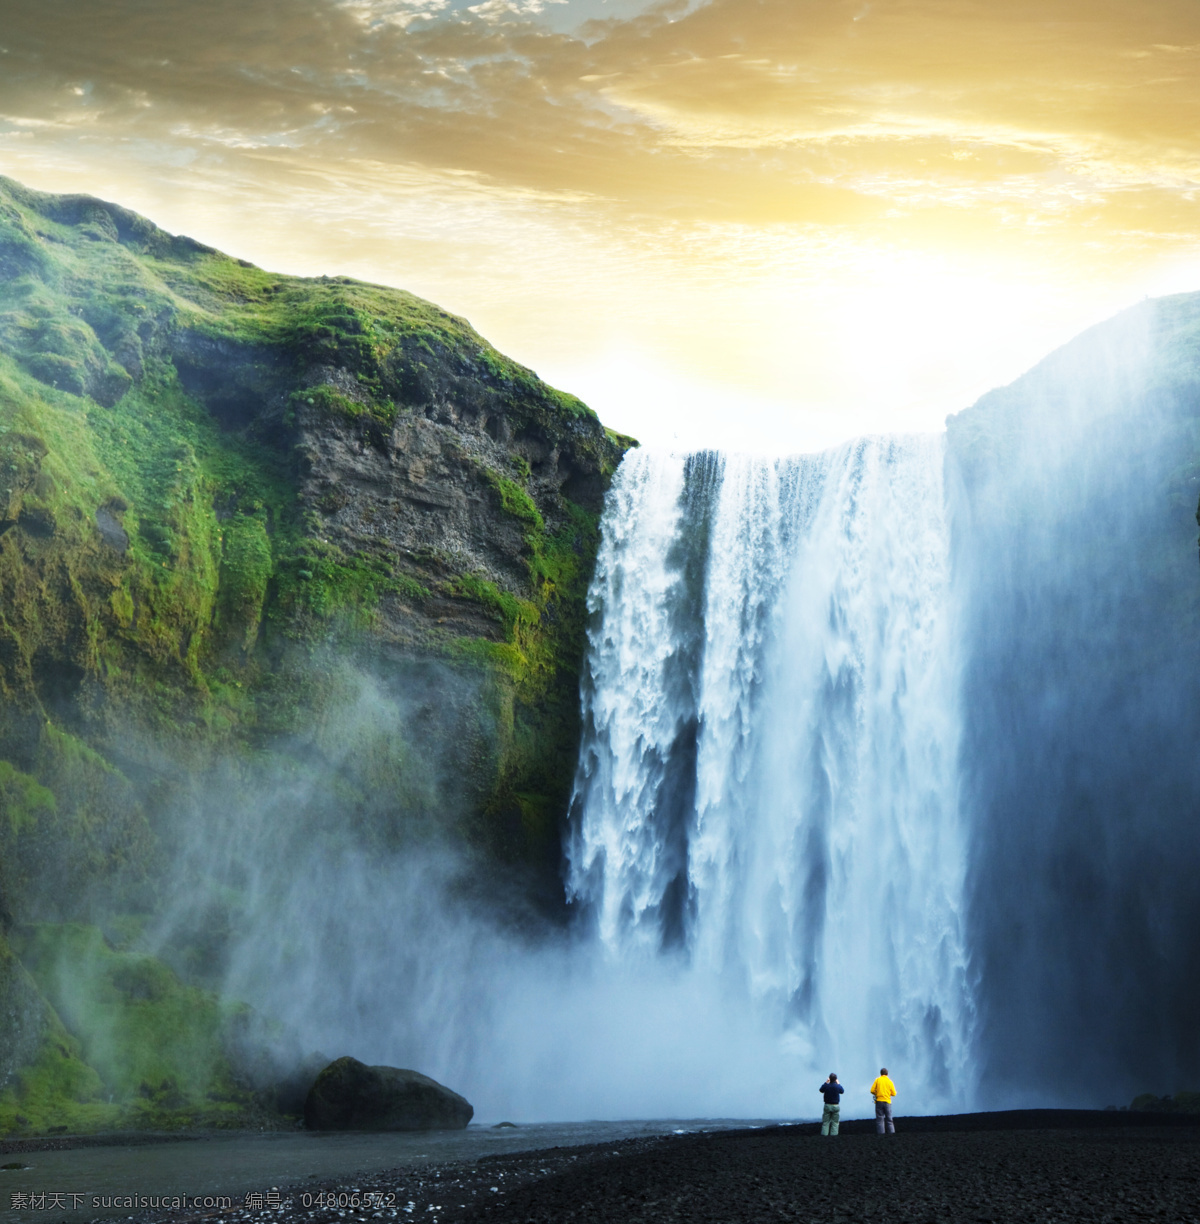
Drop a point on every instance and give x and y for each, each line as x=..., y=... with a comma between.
x=767, y=783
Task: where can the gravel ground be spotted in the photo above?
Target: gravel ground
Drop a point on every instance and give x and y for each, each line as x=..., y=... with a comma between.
x=1038, y=1166
x=64, y=1143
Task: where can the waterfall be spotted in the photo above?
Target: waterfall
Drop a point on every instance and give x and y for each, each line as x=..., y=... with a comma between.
x=854, y=789
x=767, y=783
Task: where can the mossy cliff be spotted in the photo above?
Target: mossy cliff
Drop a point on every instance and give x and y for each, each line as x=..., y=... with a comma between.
x=252, y=528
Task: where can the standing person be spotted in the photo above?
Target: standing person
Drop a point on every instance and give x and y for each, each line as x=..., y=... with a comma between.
x=883, y=1090
x=832, y=1091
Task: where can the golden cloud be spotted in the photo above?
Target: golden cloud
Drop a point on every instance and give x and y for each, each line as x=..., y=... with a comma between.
x=738, y=147
x=769, y=110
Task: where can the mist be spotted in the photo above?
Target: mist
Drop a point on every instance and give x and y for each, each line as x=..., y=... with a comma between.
x=407, y=947
x=888, y=758
x=1074, y=500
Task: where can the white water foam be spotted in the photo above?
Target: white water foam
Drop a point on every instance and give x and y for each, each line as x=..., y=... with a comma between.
x=767, y=787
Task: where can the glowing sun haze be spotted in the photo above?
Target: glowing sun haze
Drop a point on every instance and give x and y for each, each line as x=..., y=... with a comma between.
x=764, y=224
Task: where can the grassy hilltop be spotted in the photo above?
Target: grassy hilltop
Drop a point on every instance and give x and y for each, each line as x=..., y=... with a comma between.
x=257, y=533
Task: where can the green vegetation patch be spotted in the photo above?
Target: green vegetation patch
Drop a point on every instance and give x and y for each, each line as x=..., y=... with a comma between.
x=246, y=568
x=515, y=614
x=328, y=401
x=22, y=802
x=515, y=500
x=156, y=1044
x=320, y=583
x=44, y=1082
x=535, y=674
x=87, y=821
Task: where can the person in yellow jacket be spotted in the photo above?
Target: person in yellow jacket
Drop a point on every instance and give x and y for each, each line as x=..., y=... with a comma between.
x=882, y=1089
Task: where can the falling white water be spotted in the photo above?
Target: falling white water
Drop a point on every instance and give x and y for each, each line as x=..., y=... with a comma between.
x=767, y=784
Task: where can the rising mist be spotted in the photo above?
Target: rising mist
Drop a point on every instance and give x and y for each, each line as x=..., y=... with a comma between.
x=888, y=757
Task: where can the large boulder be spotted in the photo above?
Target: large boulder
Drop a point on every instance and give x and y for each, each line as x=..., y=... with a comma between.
x=349, y=1095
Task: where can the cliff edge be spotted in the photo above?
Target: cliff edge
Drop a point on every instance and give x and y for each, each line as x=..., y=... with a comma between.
x=258, y=534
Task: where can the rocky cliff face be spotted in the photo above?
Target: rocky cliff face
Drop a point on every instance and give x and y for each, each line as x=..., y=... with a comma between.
x=257, y=534
x=1072, y=496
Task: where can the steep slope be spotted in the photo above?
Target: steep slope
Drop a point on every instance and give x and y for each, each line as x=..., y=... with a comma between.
x=259, y=536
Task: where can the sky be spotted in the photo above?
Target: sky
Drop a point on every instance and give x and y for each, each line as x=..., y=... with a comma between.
x=753, y=224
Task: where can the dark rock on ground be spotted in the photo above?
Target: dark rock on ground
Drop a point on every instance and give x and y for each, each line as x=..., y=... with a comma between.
x=1180, y=1102
x=349, y=1095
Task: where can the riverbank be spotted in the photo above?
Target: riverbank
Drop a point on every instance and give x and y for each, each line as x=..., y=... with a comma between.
x=1064, y=1165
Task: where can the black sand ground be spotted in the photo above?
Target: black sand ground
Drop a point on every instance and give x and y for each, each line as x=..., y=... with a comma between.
x=1041, y=1165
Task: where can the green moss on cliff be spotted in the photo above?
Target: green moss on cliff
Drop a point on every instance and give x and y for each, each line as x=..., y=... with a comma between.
x=26, y=808
x=156, y=1045
x=319, y=583
x=22, y=801
x=175, y=613
x=246, y=568
x=536, y=667
x=56, y=1091
x=75, y=832
x=515, y=500
x=44, y=1082
x=158, y=539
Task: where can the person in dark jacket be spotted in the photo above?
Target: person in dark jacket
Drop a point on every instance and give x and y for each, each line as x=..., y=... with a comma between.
x=832, y=1091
